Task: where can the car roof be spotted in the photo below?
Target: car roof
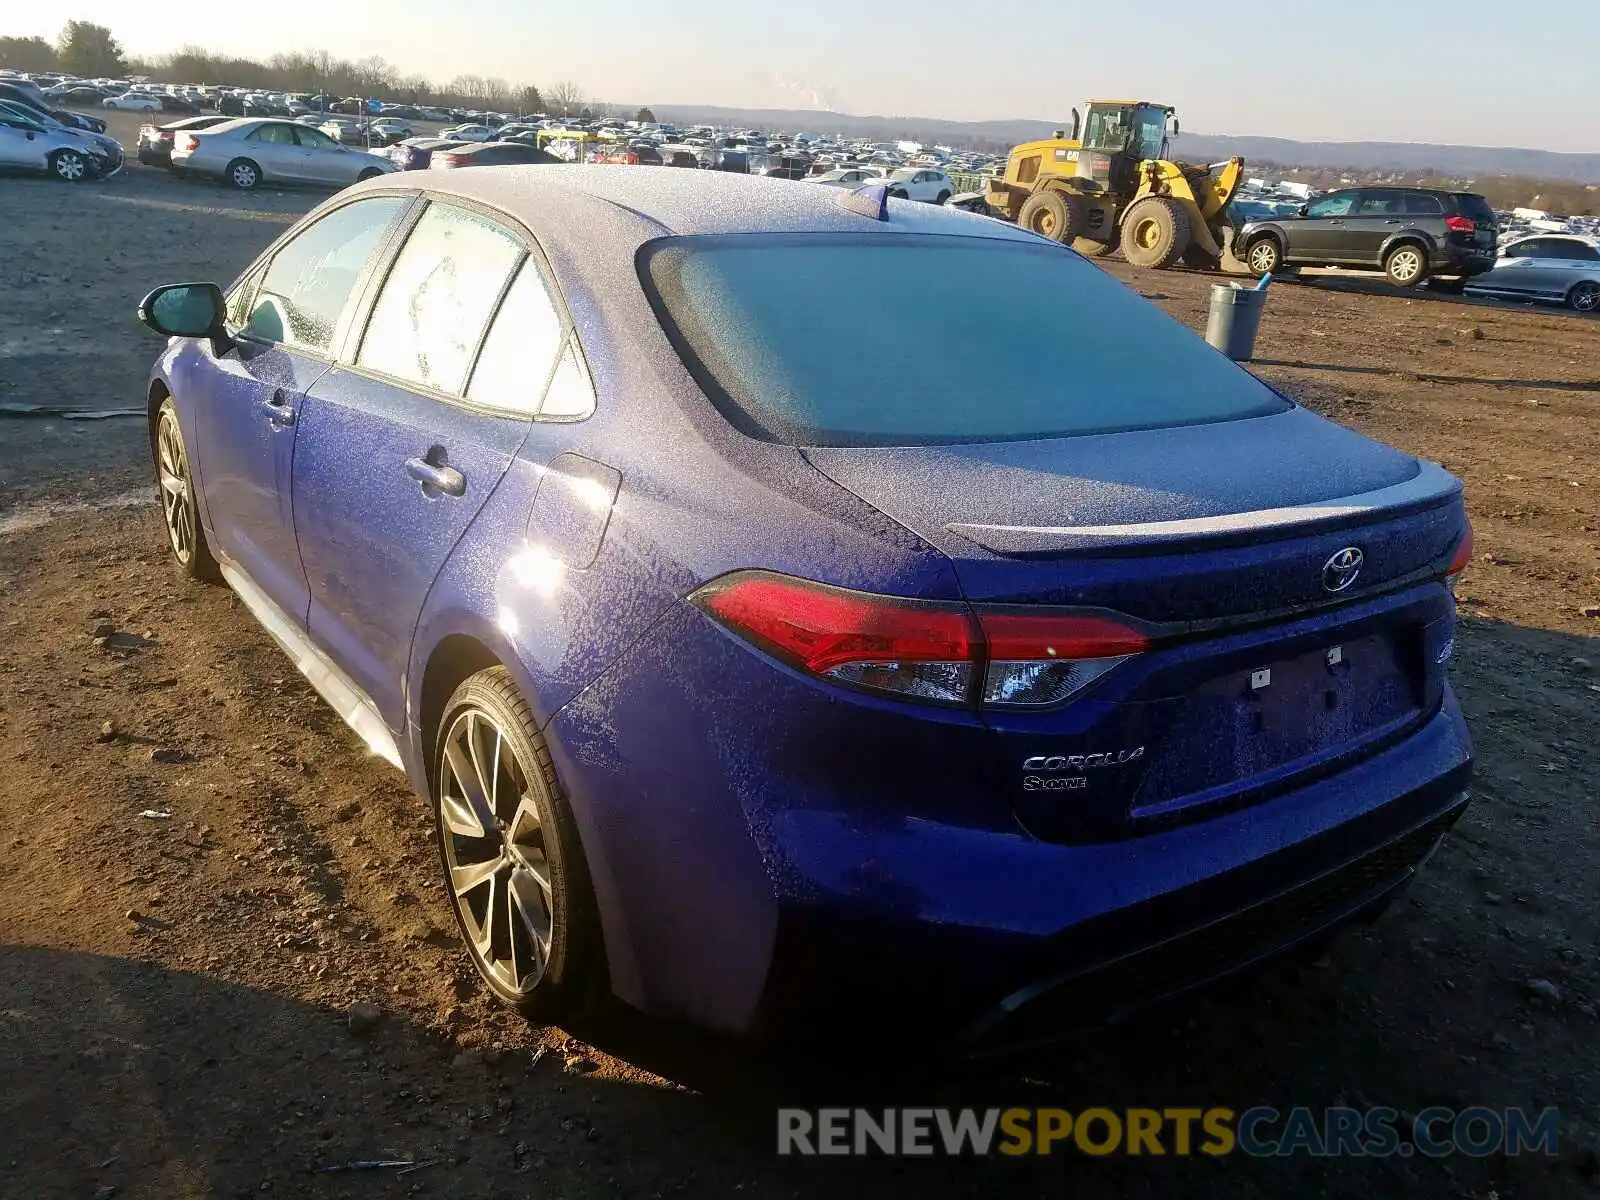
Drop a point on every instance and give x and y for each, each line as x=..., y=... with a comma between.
x=1586, y=239
x=693, y=202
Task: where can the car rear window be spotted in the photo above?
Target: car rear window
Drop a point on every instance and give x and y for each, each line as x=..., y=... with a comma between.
x=1475, y=206
x=871, y=340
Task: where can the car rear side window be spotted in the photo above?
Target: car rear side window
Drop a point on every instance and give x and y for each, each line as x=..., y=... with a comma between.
x=435, y=304
x=275, y=134
x=310, y=278
x=523, y=341
x=1423, y=204
x=883, y=339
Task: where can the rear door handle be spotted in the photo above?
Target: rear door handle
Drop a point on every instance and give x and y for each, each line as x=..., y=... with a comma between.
x=277, y=410
x=444, y=479
x=1394, y=221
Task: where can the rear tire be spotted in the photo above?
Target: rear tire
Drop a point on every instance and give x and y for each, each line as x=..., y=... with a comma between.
x=1052, y=214
x=1406, y=265
x=1155, y=233
x=1584, y=296
x=941, y=198
x=1264, y=256
x=520, y=892
x=369, y=173
x=243, y=174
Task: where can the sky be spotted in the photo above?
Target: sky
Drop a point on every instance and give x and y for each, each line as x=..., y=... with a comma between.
x=1473, y=72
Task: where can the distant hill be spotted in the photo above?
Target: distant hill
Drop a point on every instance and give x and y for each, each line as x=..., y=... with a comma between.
x=1471, y=162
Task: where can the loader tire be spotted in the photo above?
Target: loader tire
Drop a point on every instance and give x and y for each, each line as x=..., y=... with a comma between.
x=1155, y=233
x=1090, y=248
x=1052, y=214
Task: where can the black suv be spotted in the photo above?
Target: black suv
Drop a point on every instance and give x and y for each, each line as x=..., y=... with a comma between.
x=1408, y=233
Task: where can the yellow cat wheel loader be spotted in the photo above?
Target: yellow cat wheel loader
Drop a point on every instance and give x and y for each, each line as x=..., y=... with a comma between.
x=1115, y=188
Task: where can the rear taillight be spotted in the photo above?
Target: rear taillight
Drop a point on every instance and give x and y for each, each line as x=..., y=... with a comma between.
x=925, y=650
x=1459, y=560
x=1461, y=225
x=165, y=135
x=445, y=160
x=187, y=142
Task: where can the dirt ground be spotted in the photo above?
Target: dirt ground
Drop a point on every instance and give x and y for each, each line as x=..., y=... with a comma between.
x=174, y=989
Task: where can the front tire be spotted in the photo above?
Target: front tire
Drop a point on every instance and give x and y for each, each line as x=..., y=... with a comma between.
x=1406, y=265
x=369, y=173
x=1584, y=297
x=179, y=512
x=514, y=868
x=243, y=174
x=1155, y=233
x=1264, y=256
x=69, y=166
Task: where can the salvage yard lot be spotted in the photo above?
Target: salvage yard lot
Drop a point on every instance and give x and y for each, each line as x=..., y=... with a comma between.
x=199, y=1046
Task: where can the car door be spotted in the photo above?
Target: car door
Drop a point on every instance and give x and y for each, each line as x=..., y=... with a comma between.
x=1320, y=235
x=325, y=160
x=276, y=152
x=284, y=320
x=1563, y=263
x=1516, y=269
x=20, y=143
x=1377, y=215
x=403, y=441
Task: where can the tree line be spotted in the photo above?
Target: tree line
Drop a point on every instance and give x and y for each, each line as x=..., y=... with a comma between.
x=87, y=49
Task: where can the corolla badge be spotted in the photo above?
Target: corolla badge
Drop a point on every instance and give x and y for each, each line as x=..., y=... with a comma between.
x=1340, y=571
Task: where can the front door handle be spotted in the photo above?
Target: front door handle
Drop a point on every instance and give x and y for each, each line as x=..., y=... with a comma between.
x=1393, y=221
x=277, y=410
x=442, y=479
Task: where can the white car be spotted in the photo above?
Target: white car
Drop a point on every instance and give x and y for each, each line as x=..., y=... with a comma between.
x=1563, y=268
x=133, y=102
x=468, y=133
x=847, y=177
x=920, y=183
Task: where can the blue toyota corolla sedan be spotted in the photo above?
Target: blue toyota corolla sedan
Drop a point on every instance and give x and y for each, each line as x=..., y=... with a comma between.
x=804, y=611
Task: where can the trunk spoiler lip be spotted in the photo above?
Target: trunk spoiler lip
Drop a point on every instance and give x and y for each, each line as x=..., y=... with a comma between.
x=1430, y=486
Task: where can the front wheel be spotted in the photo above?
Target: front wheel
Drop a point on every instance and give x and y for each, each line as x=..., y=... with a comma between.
x=1584, y=297
x=369, y=173
x=243, y=174
x=1155, y=233
x=1264, y=257
x=514, y=867
x=69, y=166
x=1406, y=265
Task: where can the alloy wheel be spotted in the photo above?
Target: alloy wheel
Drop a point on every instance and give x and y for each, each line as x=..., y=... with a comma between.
x=494, y=852
x=1263, y=257
x=1586, y=297
x=71, y=166
x=176, y=503
x=1405, y=265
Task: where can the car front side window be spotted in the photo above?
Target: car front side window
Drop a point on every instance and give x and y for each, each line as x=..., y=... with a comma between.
x=310, y=279
x=315, y=139
x=436, y=302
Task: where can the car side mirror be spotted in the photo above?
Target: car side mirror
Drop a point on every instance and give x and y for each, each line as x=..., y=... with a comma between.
x=187, y=310
x=1303, y=210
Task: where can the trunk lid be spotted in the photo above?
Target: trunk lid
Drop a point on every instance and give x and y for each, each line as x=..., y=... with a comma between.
x=1270, y=656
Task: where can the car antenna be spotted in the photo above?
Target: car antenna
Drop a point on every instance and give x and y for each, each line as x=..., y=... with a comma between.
x=871, y=201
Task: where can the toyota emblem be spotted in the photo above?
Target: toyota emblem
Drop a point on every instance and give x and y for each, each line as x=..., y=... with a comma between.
x=1340, y=571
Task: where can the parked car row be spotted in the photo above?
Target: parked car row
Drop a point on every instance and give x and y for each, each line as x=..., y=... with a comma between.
x=1417, y=234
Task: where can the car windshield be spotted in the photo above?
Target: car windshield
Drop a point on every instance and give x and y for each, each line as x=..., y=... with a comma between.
x=909, y=352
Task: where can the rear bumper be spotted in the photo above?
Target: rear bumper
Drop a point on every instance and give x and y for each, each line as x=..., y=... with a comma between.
x=1455, y=262
x=1033, y=942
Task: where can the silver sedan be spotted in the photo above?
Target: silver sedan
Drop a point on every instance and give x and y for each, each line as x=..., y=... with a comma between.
x=1564, y=268
x=256, y=150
